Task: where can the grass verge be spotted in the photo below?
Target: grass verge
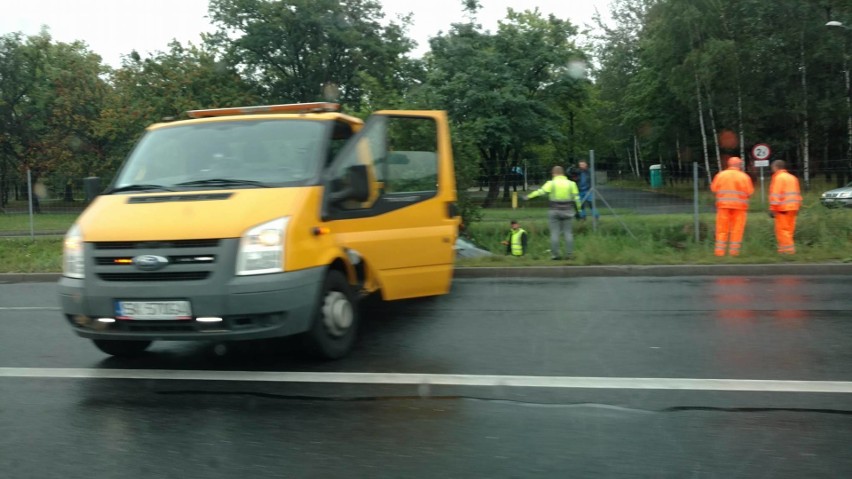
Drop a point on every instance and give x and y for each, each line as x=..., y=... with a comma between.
x=45, y=222
x=23, y=255
x=822, y=235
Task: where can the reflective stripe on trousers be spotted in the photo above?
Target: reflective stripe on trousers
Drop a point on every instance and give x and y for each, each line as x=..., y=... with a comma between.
x=735, y=247
x=785, y=228
x=730, y=226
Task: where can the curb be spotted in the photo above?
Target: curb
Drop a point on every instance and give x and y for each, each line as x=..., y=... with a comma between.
x=831, y=269
x=827, y=269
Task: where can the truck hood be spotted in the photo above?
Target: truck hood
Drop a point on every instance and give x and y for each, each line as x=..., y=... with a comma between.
x=188, y=214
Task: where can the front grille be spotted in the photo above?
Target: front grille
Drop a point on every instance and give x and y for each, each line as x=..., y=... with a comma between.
x=199, y=243
x=156, y=276
x=182, y=259
x=156, y=327
x=830, y=195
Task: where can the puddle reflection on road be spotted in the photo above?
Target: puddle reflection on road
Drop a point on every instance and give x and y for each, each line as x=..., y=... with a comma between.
x=742, y=310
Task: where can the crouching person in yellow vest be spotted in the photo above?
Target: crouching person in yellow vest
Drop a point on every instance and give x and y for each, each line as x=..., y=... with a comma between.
x=516, y=242
x=564, y=207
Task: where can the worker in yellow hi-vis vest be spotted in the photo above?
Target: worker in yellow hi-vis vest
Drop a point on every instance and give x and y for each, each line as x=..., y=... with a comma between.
x=516, y=241
x=564, y=207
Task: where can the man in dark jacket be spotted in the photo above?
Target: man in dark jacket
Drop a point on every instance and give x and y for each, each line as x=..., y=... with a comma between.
x=584, y=183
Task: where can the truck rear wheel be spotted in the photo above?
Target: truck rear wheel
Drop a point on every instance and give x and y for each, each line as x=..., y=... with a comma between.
x=335, y=325
x=123, y=349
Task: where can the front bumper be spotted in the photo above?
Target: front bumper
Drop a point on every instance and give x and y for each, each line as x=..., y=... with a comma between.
x=836, y=202
x=252, y=307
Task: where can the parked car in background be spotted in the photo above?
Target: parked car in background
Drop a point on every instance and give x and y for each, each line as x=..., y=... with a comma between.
x=837, y=197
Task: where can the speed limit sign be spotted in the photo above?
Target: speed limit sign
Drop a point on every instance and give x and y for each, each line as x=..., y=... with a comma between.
x=761, y=153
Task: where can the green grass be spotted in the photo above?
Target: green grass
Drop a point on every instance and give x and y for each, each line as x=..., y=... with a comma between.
x=822, y=235
x=47, y=222
x=532, y=212
x=20, y=255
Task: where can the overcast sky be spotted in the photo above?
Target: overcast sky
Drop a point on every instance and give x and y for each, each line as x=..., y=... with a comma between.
x=113, y=28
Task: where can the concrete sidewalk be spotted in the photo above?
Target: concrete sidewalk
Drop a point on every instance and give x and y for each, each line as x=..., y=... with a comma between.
x=833, y=269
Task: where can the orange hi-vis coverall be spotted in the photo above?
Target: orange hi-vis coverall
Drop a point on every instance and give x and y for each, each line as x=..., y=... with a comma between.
x=785, y=199
x=732, y=188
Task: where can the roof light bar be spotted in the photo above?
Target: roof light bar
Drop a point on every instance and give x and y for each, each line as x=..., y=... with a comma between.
x=247, y=110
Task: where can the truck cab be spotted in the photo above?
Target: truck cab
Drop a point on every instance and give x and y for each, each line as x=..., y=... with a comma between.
x=258, y=222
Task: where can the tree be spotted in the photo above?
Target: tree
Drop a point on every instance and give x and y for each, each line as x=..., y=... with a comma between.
x=164, y=85
x=17, y=81
x=309, y=50
x=52, y=94
x=769, y=71
x=504, y=89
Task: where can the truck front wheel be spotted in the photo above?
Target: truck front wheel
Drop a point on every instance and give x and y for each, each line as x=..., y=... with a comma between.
x=124, y=349
x=335, y=323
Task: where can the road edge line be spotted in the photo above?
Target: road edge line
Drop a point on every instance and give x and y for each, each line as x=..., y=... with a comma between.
x=403, y=379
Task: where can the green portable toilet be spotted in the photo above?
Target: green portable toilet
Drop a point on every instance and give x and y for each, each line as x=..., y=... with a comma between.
x=656, y=176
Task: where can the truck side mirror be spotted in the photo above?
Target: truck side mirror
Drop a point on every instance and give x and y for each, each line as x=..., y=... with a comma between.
x=359, y=183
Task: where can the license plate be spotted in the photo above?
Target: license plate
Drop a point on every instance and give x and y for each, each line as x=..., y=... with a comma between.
x=153, y=310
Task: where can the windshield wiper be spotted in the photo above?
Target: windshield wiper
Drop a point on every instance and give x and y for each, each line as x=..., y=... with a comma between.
x=224, y=183
x=140, y=187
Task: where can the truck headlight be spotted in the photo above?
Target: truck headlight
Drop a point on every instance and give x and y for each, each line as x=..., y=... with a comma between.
x=73, y=258
x=262, y=248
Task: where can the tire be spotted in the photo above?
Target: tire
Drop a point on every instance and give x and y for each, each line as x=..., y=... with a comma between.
x=336, y=316
x=122, y=349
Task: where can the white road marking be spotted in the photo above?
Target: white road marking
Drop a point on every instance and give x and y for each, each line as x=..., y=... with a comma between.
x=551, y=382
x=28, y=308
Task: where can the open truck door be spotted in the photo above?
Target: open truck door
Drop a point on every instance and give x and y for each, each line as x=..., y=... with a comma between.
x=405, y=226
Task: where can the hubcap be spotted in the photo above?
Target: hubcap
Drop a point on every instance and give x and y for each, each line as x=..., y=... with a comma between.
x=337, y=313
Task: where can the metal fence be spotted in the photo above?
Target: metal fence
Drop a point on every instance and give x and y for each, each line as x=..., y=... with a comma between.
x=44, y=207
x=658, y=190
x=662, y=189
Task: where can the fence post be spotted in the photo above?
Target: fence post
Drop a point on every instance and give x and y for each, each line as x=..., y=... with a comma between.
x=30, y=201
x=695, y=200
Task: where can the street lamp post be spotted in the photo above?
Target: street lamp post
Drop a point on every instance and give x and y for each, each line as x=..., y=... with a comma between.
x=836, y=24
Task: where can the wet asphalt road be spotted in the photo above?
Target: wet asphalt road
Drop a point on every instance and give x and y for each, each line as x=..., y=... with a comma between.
x=769, y=328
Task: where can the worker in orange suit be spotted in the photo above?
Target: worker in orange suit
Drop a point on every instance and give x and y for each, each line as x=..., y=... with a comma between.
x=785, y=199
x=733, y=188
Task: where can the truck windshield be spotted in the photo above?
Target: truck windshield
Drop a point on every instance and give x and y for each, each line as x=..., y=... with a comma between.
x=226, y=154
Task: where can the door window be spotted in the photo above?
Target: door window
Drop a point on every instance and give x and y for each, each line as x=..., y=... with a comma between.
x=401, y=156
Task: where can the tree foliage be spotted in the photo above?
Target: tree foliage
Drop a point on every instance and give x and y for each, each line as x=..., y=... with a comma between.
x=164, y=85
x=52, y=95
x=504, y=89
x=309, y=50
x=769, y=71
x=673, y=81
